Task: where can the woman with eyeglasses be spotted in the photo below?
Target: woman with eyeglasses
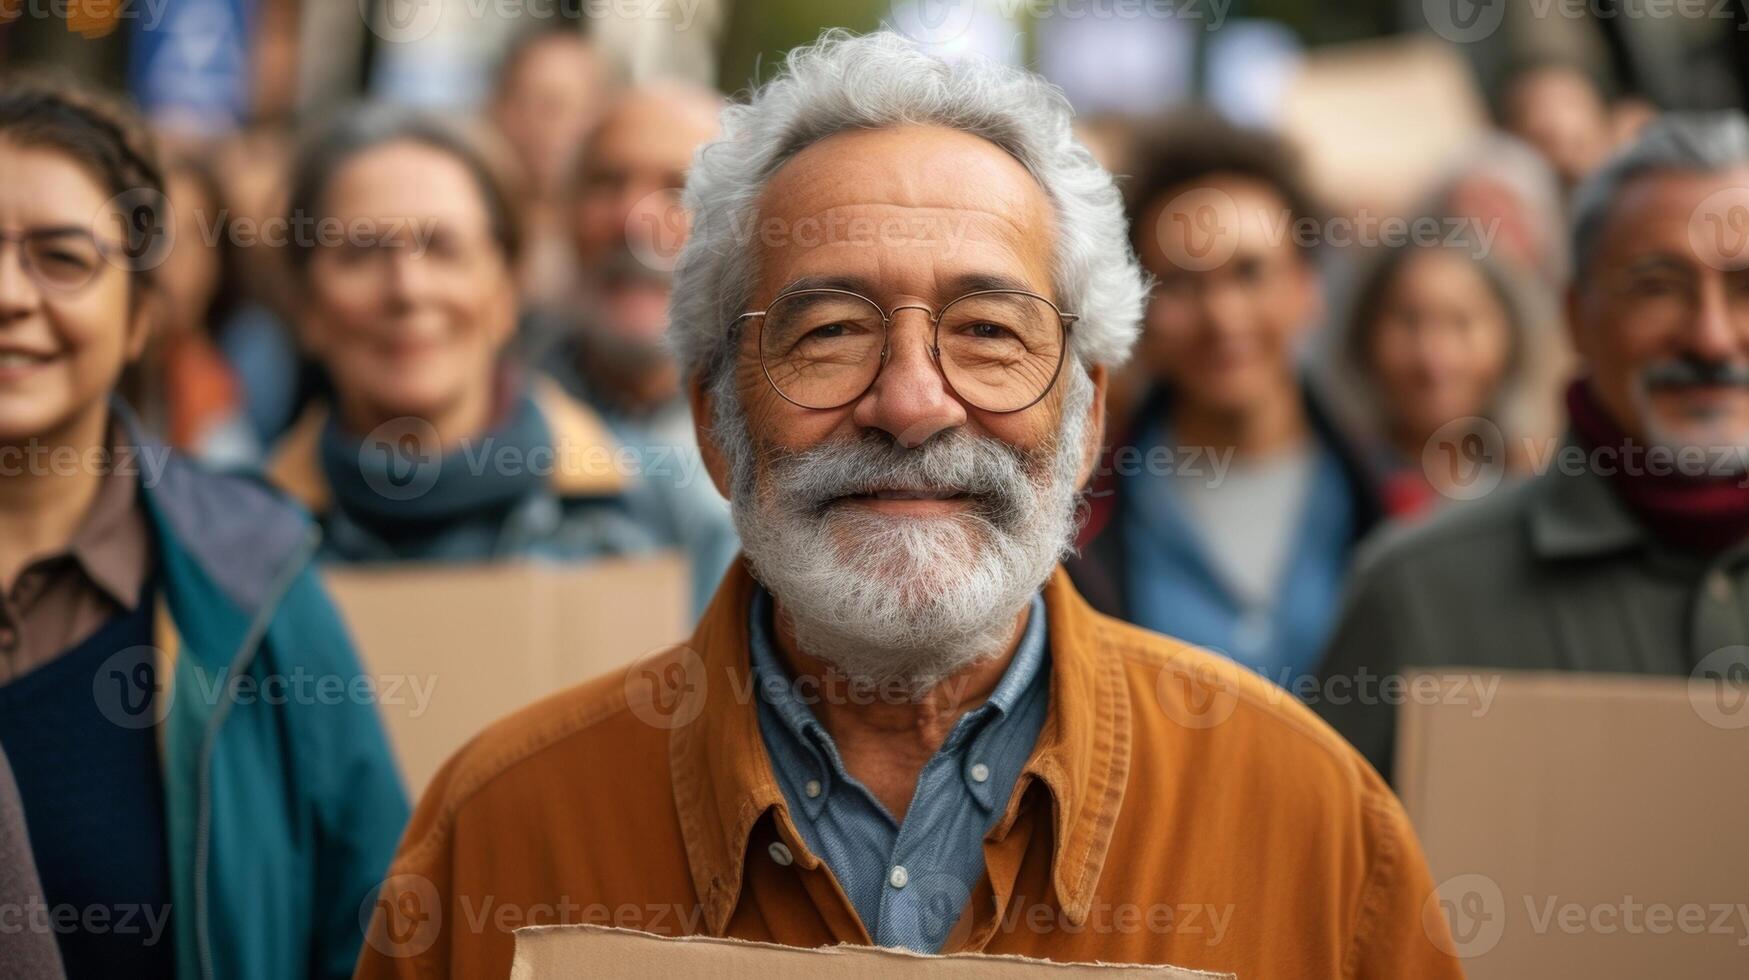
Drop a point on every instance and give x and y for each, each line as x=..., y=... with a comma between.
x=403, y=238
x=193, y=806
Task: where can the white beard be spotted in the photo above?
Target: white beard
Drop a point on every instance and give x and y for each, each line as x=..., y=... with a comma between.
x=911, y=600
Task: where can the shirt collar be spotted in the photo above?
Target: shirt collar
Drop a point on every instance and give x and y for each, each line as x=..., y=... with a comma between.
x=111, y=543
x=724, y=784
x=802, y=732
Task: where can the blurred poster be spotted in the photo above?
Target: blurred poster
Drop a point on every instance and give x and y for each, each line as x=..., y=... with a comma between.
x=440, y=54
x=1251, y=64
x=189, y=67
x=1118, y=56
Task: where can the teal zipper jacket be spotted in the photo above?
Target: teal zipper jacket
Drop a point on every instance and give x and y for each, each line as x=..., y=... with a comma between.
x=283, y=803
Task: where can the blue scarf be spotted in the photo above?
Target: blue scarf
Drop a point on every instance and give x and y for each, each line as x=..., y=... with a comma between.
x=465, y=485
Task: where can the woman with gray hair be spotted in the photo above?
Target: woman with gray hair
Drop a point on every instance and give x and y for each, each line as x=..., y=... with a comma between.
x=405, y=235
x=1444, y=345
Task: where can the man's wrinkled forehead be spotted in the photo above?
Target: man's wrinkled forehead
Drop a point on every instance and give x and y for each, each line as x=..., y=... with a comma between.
x=904, y=199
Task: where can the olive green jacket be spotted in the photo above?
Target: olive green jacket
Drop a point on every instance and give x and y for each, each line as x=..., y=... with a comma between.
x=1553, y=573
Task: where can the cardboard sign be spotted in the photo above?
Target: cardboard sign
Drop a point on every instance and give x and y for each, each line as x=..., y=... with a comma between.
x=453, y=648
x=1379, y=121
x=1586, y=825
x=552, y=952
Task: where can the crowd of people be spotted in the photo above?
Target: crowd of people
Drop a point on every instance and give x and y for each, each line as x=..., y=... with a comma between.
x=933, y=405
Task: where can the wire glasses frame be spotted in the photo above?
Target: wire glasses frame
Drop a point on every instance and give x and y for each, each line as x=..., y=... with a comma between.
x=60, y=260
x=1065, y=323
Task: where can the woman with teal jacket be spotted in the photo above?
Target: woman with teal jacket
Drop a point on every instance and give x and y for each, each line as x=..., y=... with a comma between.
x=205, y=783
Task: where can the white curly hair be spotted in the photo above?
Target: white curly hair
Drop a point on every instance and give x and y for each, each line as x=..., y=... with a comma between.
x=846, y=82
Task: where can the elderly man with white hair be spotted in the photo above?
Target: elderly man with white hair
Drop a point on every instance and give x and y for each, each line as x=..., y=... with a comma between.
x=897, y=723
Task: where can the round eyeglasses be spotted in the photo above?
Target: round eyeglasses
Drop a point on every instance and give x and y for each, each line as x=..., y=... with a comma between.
x=62, y=260
x=999, y=350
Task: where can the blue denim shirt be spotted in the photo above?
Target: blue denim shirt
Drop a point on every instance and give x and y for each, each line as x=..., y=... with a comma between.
x=909, y=882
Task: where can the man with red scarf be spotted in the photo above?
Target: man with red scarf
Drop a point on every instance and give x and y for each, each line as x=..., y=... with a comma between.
x=1629, y=550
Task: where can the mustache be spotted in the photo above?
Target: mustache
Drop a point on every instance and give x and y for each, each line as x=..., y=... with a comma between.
x=998, y=476
x=1689, y=372
x=621, y=266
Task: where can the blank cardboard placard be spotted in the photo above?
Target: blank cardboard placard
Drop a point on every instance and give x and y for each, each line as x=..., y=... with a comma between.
x=554, y=952
x=1379, y=121
x=1585, y=825
x=453, y=648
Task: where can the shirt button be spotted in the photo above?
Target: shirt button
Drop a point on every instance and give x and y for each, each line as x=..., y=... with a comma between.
x=812, y=789
x=980, y=772
x=899, y=877
x=780, y=854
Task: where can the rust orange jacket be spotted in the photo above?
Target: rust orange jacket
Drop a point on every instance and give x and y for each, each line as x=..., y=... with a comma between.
x=1176, y=809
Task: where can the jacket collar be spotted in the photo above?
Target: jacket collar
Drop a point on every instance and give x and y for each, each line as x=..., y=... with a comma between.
x=723, y=781
x=225, y=541
x=584, y=463
x=1576, y=514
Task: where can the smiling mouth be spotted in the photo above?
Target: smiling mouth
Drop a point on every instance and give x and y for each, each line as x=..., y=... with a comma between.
x=16, y=359
x=908, y=494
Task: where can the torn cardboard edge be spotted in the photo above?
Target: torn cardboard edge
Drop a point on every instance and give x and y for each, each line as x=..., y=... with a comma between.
x=545, y=952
